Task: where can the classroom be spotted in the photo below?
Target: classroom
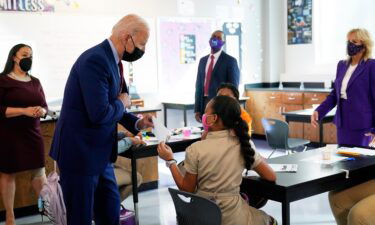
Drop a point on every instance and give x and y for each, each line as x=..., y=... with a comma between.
x=189, y=112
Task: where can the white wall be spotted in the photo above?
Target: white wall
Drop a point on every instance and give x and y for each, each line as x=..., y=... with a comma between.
x=332, y=19
x=273, y=40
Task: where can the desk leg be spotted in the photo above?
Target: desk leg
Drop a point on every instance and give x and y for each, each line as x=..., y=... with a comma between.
x=321, y=134
x=165, y=116
x=286, y=213
x=185, y=120
x=135, y=187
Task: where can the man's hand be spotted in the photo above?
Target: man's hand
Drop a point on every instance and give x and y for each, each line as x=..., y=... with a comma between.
x=198, y=117
x=125, y=99
x=145, y=122
x=314, y=119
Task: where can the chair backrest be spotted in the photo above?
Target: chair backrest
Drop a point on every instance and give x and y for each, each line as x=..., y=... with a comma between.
x=192, y=209
x=277, y=133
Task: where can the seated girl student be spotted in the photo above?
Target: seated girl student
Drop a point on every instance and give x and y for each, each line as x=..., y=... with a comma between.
x=211, y=168
x=230, y=90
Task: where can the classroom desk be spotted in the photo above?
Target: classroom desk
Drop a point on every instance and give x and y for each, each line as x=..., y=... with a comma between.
x=304, y=117
x=310, y=179
x=186, y=105
x=151, y=150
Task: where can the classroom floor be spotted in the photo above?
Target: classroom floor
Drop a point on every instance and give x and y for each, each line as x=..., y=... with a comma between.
x=156, y=206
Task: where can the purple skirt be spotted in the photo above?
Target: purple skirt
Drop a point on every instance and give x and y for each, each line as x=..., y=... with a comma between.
x=353, y=137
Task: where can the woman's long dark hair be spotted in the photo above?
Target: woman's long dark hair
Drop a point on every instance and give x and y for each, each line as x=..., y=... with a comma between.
x=9, y=65
x=229, y=111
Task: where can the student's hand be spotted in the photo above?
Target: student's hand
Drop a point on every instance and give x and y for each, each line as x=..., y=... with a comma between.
x=145, y=122
x=314, y=119
x=128, y=133
x=139, y=135
x=165, y=152
x=198, y=117
x=137, y=141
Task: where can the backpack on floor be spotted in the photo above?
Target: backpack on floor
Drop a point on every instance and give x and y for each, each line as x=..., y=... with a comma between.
x=127, y=217
x=51, y=202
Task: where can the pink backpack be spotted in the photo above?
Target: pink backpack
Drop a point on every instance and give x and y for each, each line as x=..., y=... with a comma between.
x=51, y=202
x=127, y=217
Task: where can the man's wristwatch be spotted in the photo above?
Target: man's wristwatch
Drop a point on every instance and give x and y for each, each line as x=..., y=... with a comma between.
x=169, y=163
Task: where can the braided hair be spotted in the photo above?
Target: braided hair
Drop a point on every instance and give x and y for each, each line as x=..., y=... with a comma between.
x=229, y=110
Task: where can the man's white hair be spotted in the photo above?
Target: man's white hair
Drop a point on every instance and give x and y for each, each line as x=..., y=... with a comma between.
x=130, y=24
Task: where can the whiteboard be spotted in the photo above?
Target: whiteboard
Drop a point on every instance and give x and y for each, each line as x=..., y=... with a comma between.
x=58, y=39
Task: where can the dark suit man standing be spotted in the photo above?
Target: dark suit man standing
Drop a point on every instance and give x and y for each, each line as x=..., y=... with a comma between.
x=85, y=140
x=214, y=69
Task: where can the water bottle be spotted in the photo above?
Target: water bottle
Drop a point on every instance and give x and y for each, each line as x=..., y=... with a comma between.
x=40, y=204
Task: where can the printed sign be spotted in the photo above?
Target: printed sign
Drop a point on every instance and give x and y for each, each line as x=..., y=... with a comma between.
x=187, y=49
x=26, y=6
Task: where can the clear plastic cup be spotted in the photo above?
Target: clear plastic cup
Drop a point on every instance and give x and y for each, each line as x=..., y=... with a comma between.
x=326, y=154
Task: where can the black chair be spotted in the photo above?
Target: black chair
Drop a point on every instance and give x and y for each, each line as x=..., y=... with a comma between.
x=192, y=209
x=277, y=133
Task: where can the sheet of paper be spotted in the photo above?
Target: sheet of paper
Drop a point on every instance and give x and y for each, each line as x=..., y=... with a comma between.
x=160, y=131
x=318, y=159
x=284, y=168
x=362, y=151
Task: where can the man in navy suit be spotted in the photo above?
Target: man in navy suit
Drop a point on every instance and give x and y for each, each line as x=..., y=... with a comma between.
x=85, y=139
x=214, y=69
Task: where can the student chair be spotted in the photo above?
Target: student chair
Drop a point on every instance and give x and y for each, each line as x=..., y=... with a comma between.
x=277, y=133
x=192, y=209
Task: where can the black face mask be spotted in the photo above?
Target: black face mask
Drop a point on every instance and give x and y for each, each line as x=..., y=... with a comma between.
x=25, y=64
x=135, y=55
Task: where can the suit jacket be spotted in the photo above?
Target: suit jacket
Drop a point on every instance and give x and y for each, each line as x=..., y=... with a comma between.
x=361, y=97
x=85, y=138
x=225, y=70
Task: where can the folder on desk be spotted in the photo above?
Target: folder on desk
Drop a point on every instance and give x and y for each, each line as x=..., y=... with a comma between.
x=356, y=151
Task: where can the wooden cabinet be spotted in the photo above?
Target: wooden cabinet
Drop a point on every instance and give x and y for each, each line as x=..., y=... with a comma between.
x=292, y=98
x=256, y=105
x=314, y=98
x=271, y=104
x=295, y=128
x=311, y=133
x=292, y=101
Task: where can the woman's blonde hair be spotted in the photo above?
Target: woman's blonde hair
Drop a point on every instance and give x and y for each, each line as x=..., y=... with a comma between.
x=364, y=36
